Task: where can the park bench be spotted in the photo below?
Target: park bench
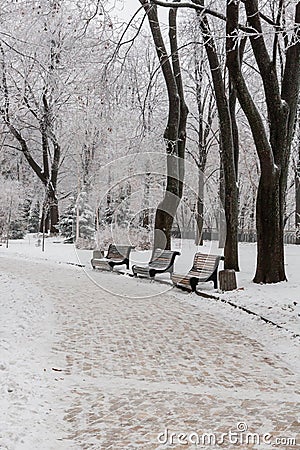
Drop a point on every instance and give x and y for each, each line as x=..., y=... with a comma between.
x=205, y=268
x=116, y=255
x=162, y=261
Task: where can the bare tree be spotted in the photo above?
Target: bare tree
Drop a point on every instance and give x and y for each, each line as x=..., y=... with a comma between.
x=201, y=123
x=43, y=71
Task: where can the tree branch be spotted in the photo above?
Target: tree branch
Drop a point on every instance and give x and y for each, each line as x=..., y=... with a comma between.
x=234, y=66
x=204, y=10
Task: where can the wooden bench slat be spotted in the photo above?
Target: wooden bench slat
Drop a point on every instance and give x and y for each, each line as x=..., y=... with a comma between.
x=162, y=261
x=205, y=268
x=116, y=255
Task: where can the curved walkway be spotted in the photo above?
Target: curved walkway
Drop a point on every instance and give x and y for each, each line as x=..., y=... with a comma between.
x=102, y=371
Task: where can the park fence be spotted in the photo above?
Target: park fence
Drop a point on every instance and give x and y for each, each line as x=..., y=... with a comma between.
x=243, y=235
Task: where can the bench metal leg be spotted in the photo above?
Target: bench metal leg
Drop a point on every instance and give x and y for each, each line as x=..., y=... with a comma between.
x=214, y=278
x=193, y=284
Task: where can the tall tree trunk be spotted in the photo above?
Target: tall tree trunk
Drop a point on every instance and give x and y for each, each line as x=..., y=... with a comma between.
x=222, y=220
x=226, y=136
x=204, y=129
x=145, y=217
x=269, y=226
x=183, y=109
x=175, y=134
x=232, y=110
x=200, y=209
x=273, y=150
x=297, y=188
x=235, y=131
x=50, y=216
x=53, y=213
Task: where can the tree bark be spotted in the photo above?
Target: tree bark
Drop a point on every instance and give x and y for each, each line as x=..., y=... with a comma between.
x=145, y=216
x=297, y=192
x=222, y=219
x=200, y=210
x=49, y=223
x=183, y=109
x=269, y=226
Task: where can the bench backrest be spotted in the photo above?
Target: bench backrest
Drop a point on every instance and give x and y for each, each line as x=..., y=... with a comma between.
x=118, y=252
x=205, y=263
x=162, y=258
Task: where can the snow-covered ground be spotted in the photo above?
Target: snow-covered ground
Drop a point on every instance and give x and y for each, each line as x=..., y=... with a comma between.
x=279, y=303
x=27, y=417
x=66, y=344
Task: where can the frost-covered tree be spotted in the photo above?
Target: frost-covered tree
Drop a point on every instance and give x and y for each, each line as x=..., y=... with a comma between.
x=85, y=221
x=272, y=39
x=67, y=222
x=12, y=223
x=44, y=51
x=34, y=217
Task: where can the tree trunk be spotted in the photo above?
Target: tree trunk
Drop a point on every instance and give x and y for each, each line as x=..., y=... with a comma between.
x=49, y=223
x=175, y=137
x=77, y=236
x=8, y=222
x=297, y=188
x=204, y=128
x=226, y=137
x=175, y=133
x=183, y=109
x=269, y=224
x=200, y=210
x=165, y=214
x=53, y=214
x=273, y=149
x=235, y=131
x=222, y=221
x=167, y=208
x=145, y=217
x=44, y=223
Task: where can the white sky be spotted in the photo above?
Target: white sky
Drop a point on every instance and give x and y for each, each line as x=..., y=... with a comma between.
x=125, y=9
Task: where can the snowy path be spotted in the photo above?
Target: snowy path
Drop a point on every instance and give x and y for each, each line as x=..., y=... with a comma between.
x=130, y=367
x=29, y=395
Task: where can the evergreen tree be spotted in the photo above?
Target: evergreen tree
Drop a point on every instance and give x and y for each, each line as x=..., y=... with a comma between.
x=67, y=223
x=86, y=218
x=17, y=229
x=34, y=218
